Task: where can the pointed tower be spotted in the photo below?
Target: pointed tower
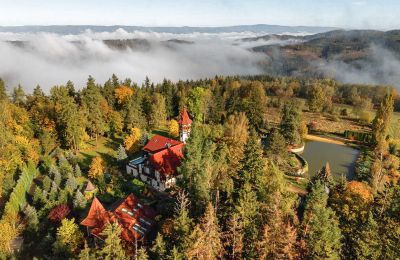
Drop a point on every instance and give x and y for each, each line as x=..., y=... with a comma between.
x=185, y=124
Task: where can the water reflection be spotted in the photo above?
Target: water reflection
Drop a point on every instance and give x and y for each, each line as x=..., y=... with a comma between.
x=341, y=158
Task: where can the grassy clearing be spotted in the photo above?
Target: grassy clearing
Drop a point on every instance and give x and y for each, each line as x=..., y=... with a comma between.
x=103, y=147
x=297, y=185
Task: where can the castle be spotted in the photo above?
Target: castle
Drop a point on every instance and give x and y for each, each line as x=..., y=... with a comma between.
x=157, y=167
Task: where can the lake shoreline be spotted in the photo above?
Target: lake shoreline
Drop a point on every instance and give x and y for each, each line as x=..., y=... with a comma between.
x=325, y=139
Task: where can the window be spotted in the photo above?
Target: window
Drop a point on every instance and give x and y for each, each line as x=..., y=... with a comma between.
x=144, y=221
x=138, y=230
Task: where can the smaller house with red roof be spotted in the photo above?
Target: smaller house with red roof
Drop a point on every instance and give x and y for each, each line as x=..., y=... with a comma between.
x=135, y=218
x=161, y=157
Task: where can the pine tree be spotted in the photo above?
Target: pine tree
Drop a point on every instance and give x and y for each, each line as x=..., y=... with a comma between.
x=19, y=96
x=367, y=244
x=3, y=90
x=78, y=172
x=159, y=248
x=321, y=230
x=53, y=191
x=276, y=147
x=142, y=254
x=32, y=218
x=92, y=100
x=57, y=178
x=79, y=200
x=182, y=223
x=158, y=116
x=121, y=154
x=382, y=119
x=134, y=116
x=71, y=183
x=248, y=211
x=206, y=237
x=253, y=165
x=234, y=237
x=86, y=254
x=279, y=238
x=46, y=183
x=112, y=248
x=291, y=124
x=69, y=238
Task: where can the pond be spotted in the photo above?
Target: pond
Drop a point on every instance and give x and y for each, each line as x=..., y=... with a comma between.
x=341, y=158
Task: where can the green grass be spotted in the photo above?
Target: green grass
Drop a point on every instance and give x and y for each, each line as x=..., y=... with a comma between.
x=103, y=147
x=394, y=129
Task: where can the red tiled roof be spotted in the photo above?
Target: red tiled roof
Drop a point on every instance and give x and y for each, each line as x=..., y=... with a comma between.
x=97, y=216
x=185, y=119
x=158, y=143
x=135, y=218
x=167, y=160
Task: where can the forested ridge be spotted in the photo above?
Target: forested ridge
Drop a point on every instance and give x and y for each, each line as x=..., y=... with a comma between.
x=235, y=199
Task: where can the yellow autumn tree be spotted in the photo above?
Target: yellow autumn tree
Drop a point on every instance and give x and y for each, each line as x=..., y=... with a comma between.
x=122, y=93
x=132, y=141
x=173, y=128
x=96, y=168
x=10, y=229
x=69, y=237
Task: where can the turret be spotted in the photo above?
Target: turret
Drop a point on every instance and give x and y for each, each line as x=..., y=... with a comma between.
x=185, y=124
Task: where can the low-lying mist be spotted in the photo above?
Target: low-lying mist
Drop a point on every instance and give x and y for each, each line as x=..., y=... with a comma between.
x=51, y=59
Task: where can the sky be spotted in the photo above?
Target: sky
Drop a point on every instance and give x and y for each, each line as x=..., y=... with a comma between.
x=348, y=14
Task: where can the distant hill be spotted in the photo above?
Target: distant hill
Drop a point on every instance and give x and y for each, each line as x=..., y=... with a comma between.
x=77, y=29
x=349, y=55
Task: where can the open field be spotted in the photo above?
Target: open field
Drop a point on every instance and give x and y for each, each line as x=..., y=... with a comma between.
x=103, y=147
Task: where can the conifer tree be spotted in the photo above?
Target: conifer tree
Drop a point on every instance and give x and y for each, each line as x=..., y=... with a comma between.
x=112, y=248
x=276, y=147
x=79, y=200
x=367, y=244
x=57, y=178
x=236, y=135
x=382, y=119
x=248, y=211
x=69, y=238
x=183, y=223
x=92, y=100
x=71, y=183
x=32, y=218
x=121, y=154
x=158, y=116
x=159, y=249
x=206, y=237
x=253, y=164
x=85, y=253
x=321, y=230
x=234, y=237
x=3, y=91
x=279, y=237
x=78, y=172
x=142, y=254
x=134, y=116
x=292, y=126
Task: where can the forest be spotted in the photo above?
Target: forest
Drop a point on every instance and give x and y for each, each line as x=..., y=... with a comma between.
x=235, y=198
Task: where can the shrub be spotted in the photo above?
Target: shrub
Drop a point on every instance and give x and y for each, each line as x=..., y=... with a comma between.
x=59, y=212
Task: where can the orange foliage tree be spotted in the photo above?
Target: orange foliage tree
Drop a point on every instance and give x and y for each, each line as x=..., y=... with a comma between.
x=123, y=93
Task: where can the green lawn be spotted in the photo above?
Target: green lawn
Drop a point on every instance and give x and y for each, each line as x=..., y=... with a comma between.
x=103, y=147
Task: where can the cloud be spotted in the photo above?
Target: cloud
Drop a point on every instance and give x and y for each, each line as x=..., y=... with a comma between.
x=381, y=67
x=51, y=59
